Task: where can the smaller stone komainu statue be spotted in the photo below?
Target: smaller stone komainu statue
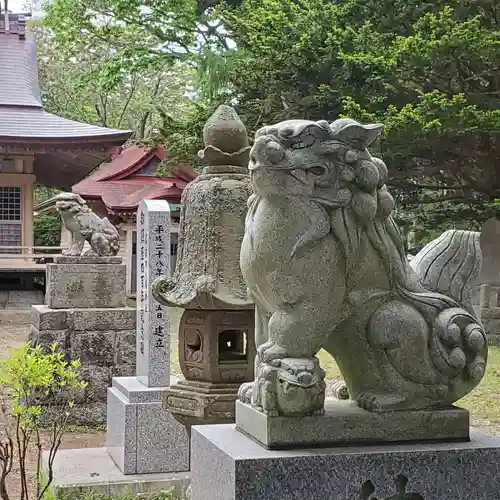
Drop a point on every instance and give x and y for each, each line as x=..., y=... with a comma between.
x=84, y=225
x=326, y=267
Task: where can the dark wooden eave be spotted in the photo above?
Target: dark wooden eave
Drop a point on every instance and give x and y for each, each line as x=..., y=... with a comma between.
x=65, y=150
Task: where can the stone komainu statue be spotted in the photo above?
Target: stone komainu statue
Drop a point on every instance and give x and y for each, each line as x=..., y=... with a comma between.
x=84, y=225
x=325, y=264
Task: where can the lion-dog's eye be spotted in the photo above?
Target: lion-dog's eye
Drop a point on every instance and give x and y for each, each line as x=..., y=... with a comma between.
x=316, y=170
x=306, y=142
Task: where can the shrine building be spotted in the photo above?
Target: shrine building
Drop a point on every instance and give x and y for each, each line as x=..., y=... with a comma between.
x=116, y=188
x=36, y=148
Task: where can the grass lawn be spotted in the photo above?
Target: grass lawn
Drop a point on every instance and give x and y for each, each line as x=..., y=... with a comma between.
x=483, y=402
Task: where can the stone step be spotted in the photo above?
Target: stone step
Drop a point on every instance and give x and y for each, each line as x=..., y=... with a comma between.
x=92, y=470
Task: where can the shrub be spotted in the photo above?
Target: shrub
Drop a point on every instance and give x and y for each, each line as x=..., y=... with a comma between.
x=29, y=377
x=47, y=230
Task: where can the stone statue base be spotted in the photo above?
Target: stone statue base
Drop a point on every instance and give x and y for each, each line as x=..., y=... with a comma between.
x=102, y=339
x=141, y=437
x=344, y=423
x=89, y=258
x=86, y=281
x=86, y=314
x=437, y=471
x=195, y=402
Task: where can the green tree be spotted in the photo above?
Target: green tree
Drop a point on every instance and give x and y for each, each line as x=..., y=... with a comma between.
x=429, y=71
x=46, y=227
x=133, y=34
x=130, y=64
x=80, y=86
x=47, y=231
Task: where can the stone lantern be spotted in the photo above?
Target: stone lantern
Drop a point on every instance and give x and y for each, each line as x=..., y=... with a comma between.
x=216, y=332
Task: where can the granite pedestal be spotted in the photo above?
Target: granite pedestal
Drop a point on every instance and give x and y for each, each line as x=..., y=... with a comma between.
x=86, y=282
x=226, y=464
x=86, y=315
x=141, y=436
x=345, y=423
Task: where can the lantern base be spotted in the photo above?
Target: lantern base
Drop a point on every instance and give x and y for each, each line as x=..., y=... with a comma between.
x=195, y=402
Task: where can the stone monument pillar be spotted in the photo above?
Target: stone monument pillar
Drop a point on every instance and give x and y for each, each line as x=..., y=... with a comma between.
x=142, y=437
x=326, y=267
x=85, y=309
x=216, y=333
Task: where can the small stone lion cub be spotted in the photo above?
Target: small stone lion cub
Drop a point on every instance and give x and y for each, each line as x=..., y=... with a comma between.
x=84, y=225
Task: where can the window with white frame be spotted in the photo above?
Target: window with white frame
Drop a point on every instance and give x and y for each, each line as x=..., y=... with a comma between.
x=10, y=218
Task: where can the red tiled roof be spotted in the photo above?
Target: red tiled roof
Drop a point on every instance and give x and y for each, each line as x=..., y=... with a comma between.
x=119, y=189
x=127, y=194
x=123, y=163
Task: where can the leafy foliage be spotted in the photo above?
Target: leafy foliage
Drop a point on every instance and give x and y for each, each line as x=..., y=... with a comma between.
x=420, y=224
x=428, y=70
x=29, y=377
x=184, y=136
x=46, y=227
x=95, y=84
x=139, y=33
x=44, y=193
x=47, y=230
